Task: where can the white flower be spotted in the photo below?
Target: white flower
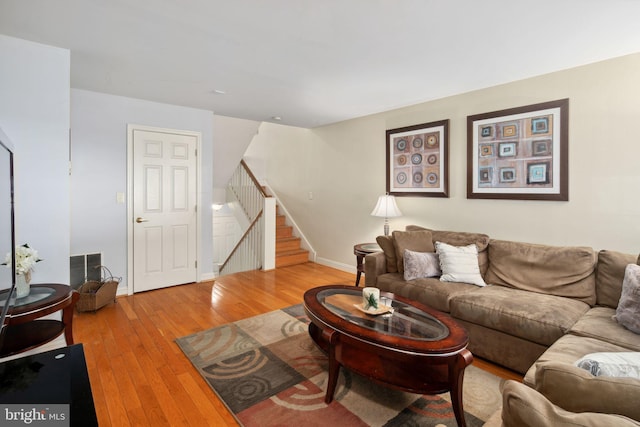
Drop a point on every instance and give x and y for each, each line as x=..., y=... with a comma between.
x=26, y=259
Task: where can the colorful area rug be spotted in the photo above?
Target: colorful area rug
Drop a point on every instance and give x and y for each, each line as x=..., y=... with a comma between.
x=269, y=372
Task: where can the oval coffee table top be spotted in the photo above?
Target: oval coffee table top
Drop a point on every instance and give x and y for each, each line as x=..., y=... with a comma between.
x=410, y=326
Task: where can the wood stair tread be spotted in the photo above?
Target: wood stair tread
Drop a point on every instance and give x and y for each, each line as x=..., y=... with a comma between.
x=287, y=239
x=291, y=252
x=291, y=257
x=288, y=250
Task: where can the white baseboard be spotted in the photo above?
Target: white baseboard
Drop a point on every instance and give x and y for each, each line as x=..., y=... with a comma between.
x=207, y=277
x=337, y=265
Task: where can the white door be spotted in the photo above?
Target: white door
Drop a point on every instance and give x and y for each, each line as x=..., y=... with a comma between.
x=164, y=209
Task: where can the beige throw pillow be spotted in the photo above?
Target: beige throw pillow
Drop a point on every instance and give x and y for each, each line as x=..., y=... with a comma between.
x=629, y=305
x=418, y=265
x=459, y=264
x=389, y=249
x=418, y=241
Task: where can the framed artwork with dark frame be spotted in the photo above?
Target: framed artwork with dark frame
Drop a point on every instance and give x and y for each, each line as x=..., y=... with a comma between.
x=519, y=153
x=418, y=160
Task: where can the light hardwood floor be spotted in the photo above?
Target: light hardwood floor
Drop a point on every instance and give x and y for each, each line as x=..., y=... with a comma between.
x=138, y=374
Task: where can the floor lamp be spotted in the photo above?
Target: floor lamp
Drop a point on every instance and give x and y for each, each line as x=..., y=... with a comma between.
x=386, y=208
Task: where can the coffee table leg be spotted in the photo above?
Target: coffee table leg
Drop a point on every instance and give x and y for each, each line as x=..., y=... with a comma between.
x=456, y=376
x=334, y=367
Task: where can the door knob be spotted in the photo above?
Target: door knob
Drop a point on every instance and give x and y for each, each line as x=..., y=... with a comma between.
x=140, y=219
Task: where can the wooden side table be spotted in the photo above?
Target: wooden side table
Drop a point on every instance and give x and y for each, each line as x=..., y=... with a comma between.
x=25, y=331
x=361, y=250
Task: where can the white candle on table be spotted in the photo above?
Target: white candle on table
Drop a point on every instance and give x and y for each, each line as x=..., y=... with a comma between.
x=371, y=298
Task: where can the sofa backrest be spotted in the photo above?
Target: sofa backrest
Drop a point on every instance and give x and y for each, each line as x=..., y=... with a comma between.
x=567, y=271
x=460, y=238
x=609, y=276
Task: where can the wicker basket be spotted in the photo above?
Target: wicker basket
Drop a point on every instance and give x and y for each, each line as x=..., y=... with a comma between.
x=96, y=294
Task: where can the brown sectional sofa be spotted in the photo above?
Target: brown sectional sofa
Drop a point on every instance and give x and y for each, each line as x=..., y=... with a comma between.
x=544, y=305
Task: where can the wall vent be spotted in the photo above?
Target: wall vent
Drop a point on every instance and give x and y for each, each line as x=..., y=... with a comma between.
x=83, y=268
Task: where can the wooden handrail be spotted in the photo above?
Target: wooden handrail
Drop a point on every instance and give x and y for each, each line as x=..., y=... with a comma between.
x=253, y=178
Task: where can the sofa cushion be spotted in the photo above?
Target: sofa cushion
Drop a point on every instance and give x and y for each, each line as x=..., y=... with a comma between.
x=609, y=276
x=628, y=311
x=429, y=291
x=568, y=349
x=564, y=271
x=535, y=317
x=459, y=263
x=420, y=264
x=419, y=241
x=576, y=390
x=525, y=407
x=389, y=249
x=461, y=238
x=611, y=364
x=455, y=238
x=598, y=323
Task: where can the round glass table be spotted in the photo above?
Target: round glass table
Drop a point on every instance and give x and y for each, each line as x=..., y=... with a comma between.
x=25, y=328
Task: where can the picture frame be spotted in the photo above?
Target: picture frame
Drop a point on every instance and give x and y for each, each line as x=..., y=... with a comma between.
x=519, y=153
x=418, y=160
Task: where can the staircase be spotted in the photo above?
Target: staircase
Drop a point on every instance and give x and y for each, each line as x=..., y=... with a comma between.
x=288, y=250
x=255, y=249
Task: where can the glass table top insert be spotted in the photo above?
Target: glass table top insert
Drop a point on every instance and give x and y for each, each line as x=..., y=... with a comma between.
x=403, y=320
x=36, y=294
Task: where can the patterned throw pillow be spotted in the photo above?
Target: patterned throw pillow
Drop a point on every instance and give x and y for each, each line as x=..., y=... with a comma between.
x=629, y=304
x=459, y=264
x=419, y=241
x=420, y=264
x=611, y=364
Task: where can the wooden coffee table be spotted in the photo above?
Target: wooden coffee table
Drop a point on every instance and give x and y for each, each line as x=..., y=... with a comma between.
x=415, y=348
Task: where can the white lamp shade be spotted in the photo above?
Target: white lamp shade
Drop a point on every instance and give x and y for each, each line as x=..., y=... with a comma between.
x=386, y=207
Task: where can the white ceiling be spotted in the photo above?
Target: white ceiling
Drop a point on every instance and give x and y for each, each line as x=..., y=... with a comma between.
x=318, y=62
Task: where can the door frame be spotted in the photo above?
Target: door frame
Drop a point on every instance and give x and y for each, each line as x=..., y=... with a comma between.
x=198, y=135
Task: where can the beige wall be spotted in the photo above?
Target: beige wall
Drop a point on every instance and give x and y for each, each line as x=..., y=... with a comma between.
x=343, y=165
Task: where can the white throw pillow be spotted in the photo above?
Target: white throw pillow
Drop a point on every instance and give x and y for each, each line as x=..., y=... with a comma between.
x=459, y=264
x=420, y=264
x=611, y=364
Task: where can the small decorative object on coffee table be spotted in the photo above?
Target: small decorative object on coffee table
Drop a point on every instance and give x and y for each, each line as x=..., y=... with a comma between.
x=361, y=250
x=370, y=298
x=411, y=347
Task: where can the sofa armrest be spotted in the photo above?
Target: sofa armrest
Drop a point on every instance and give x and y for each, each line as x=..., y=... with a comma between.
x=576, y=390
x=523, y=406
x=375, y=264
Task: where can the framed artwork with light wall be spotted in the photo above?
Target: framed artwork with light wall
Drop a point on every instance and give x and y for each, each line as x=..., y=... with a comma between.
x=519, y=153
x=418, y=160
